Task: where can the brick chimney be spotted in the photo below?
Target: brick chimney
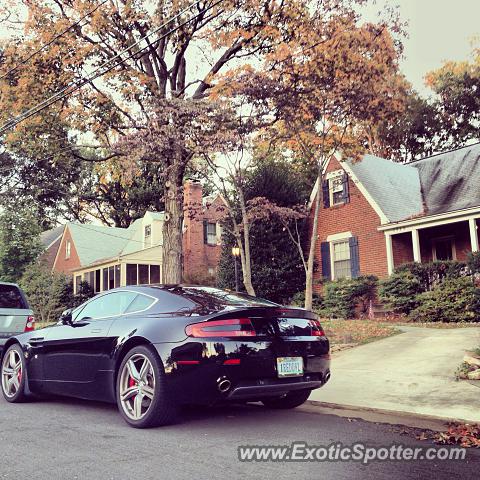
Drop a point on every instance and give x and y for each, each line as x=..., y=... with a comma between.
x=193, y=241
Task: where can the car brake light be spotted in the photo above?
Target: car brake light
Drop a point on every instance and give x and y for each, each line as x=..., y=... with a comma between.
x=235, y=327
x=317, y=330
x=30, y=325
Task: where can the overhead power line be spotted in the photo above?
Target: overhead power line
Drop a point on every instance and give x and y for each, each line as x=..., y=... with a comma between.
x=53, y=40
x=106, y=66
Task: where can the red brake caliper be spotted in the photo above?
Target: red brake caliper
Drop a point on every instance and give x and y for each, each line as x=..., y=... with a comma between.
x=19, y=376
x=131, y=382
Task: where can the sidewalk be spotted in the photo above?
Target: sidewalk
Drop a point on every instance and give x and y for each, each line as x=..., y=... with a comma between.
x=413, y=372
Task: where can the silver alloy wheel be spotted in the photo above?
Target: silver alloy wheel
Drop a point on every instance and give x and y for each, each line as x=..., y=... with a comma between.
x=11, y=373
x=137, y=386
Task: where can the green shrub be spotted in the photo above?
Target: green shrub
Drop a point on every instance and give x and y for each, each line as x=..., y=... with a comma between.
x=298, y=300
x=432, y=274
x=473, y=263
x=399, y=291
x=341, y=297
x=454, y=300
x=50, y=293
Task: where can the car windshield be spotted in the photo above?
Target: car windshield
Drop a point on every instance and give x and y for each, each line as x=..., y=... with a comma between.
x=10, y=297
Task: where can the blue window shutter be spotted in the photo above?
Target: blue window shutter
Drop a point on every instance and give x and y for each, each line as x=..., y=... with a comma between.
x=205, y=236
x=346, y=189
x=325, y=251
x=354, y=258
x=325, y=194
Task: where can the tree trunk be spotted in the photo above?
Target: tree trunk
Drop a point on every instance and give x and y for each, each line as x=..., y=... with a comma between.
x=313, y=241
x=246, y=259
x=172, y=227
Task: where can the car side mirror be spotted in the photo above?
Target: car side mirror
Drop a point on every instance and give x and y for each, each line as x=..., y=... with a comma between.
x=66, y=317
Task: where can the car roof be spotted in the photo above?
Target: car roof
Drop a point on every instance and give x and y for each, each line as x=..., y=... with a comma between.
x=8, y=283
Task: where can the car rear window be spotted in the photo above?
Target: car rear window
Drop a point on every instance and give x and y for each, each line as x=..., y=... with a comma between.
x=10, y=297
x=218, y=297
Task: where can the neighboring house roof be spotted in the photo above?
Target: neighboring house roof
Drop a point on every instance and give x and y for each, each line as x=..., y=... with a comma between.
x=450, y=181
x=49, y=237
x=394, y=187
x=96, y=242
x=434, y=185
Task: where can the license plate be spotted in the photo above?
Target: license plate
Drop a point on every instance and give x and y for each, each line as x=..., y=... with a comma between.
x=290, y=366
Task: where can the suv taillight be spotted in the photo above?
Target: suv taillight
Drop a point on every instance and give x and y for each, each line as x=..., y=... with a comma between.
x=30, y=325
x=234, y=327
x=317, y=330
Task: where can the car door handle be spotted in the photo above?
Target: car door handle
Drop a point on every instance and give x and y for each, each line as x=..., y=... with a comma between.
x=96, y=330
x=36, y=340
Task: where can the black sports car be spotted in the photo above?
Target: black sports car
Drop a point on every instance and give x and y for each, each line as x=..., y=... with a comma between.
x=153, y=348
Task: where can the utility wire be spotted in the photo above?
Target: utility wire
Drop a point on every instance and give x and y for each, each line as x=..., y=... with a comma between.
x=53, y=40
x=76, y=85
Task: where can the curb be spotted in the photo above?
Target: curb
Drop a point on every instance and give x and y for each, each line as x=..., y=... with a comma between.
x=431, y=422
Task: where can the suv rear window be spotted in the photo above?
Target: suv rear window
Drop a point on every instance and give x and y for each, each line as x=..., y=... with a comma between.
x=10, y=297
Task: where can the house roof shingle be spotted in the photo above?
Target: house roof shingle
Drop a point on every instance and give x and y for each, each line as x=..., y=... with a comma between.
x=450, y=181
x=438, y=184
x=97, y=242
x=50, y=236
x=394, y=187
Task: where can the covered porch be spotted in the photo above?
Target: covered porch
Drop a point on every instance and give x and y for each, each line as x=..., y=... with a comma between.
x=442, y=237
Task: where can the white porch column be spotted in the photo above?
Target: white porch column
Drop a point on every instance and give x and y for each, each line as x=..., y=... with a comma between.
x=123, y=274
x=473, y=234
x=417, y=256
x=388, y=241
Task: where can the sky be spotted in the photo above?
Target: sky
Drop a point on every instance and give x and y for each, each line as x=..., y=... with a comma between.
x=438, y=30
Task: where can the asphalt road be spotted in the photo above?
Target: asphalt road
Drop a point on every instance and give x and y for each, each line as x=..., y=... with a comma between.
x=70, y=439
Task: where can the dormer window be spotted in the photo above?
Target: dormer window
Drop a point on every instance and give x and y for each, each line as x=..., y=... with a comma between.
x=335, y=189
x=147, y=238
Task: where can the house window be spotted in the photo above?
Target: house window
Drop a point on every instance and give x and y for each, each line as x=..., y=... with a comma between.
x=444, y=248
x=147, y=241
x=97, y=280
x=132, y=278
x=335, y=189
x=68, y=249
x=341, y=264
x=211, y=233
x=78, y=281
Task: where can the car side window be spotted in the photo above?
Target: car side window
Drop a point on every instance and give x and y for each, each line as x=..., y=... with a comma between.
x=10, y=297
x=140, y=303
x=108, y=305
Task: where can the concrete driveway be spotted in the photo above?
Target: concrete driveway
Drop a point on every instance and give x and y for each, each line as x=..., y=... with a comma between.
x=411, y=372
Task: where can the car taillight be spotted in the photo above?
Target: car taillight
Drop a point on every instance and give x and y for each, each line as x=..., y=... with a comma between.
x=237, y=327
x=317, y=330
x=30, y=325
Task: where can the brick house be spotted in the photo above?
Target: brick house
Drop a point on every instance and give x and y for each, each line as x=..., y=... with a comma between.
x=109, y=257
x=377, y=214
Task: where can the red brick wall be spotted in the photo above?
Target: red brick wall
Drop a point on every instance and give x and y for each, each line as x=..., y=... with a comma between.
x=62, y=264
x=357, y=217
x=198, y=257
x=48, y=256
x=402, y=247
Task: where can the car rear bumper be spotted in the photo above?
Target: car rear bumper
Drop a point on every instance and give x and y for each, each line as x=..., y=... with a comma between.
x=268, y=388
x=197, y=373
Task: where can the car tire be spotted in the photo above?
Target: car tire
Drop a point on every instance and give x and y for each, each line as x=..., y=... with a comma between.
x=290, y=400
x=14, y=375
x=157, y=407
